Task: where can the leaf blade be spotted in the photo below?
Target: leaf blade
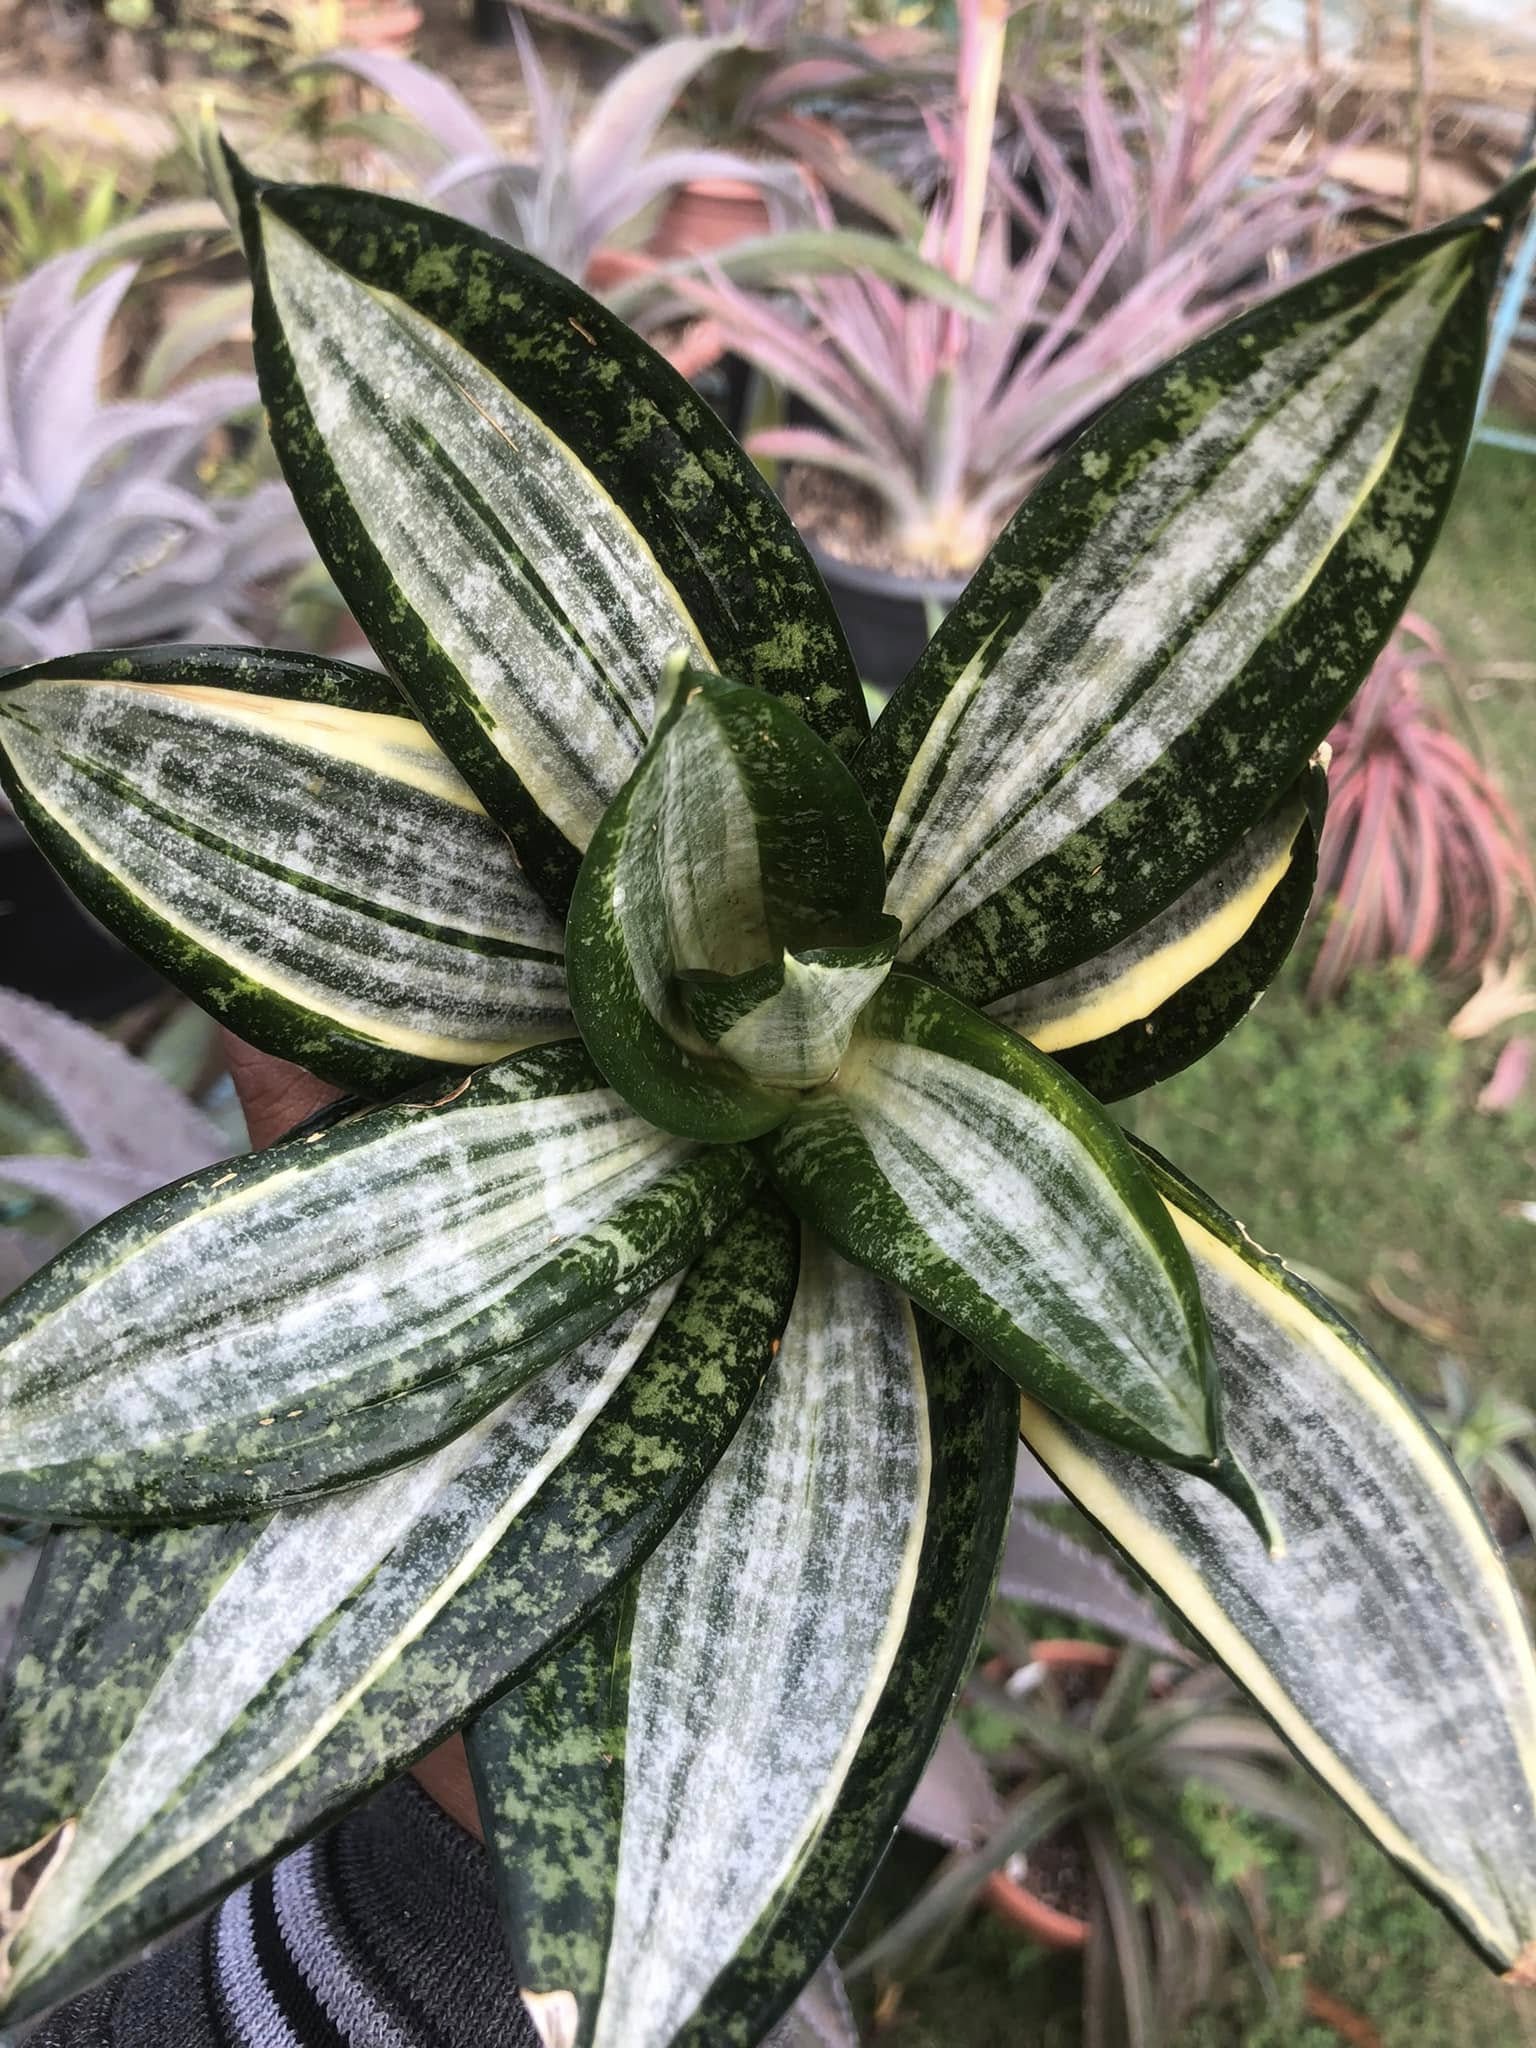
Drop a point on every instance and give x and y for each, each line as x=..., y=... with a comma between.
x=647, y=1442
x=1207, y=575
x=770, y=1932
x=967, y=1170
x=1167, y=995
x=504, y=1224
x=718, y=923
x=279, y=838
x=1387, y=1644
x=516, y=602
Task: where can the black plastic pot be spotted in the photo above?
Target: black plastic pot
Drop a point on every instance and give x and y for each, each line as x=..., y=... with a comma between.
x=51, y=949
x=492, y=23
x=885, y=615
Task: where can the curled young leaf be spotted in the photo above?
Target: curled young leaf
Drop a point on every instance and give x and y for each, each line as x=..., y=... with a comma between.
x=963, y=1166
x=280, y=838
x=502, y=1225
x=726, y=927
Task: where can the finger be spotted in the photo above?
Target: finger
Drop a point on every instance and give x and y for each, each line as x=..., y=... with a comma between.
x=274, y=1094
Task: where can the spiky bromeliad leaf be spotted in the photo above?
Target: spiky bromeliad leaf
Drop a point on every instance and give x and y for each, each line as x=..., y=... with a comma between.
x=192, y=1702
x=525, y=507
x=1387, y=1645
x=294, y=1320
x=1162, y=998
x=957, y=1162
x=726, y=927
x=287, y=844
x=1175, y=617
x=685, y=1804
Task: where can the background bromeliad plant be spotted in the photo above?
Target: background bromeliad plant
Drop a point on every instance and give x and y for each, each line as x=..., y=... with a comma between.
x=1214, y=166
x=1135, y=1789
x=108, y=528
x=575, y=203
x=642, y=1379
x=1422, y=858
x=920, y=431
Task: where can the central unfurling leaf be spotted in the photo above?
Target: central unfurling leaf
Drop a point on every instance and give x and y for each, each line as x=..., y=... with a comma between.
x=727, y=926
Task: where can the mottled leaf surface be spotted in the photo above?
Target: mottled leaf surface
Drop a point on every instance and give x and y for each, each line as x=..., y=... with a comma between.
x=524, y=506
x=1166, y=996
x=966, y=1168
x=1387, y=1643
x=1178, y=613
x=289, y=846
x=726, y=927
x=346, y=1300
x=685, y=1805
x=490, y=1595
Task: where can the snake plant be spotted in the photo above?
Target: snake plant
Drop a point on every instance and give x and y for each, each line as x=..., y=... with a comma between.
x=631, y=1370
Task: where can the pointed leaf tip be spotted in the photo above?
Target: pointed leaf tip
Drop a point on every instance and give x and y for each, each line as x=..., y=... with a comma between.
x=1388, y=1645
x=967, y=1169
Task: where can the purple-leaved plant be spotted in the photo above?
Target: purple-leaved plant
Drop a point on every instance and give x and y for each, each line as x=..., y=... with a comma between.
x=946, y=419
x=109, y=535
x=1220, y=171
x=1422, y=858
x=589, y=182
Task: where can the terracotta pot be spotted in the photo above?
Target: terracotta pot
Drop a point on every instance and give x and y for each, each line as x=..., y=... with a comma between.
x=1013, y=1903
x=1016, y=1906
x=709, y=214
x=610, y=267
x=1062, y=1653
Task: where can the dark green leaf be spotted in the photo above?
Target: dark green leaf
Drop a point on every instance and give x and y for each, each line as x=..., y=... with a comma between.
x=291, y=1321
x=686, y=1805
x=283, y=841
x=967, y=1169
x=1164, y=997
x=525, y=507
x=1179, y=612
x=726, y=927
x=1387, y=1643
x=393, y=1613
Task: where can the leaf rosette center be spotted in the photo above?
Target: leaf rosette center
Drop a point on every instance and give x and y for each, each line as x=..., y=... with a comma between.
x=728, y=927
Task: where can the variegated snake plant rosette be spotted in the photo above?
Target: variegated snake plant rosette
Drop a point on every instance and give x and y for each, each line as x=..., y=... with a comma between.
x=631, y=1370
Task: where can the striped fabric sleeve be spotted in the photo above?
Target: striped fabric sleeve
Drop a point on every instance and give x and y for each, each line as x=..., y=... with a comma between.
x=381, y=1933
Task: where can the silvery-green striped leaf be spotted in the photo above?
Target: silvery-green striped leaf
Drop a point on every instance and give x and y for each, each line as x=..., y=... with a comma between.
x=1162, y=998
x=726, y=927
x=1387, y=1644
x=1178, y=613
x=292, y=1320
x=966, y=1168
x=685, y=1804
x=524, y=506
x=789, y=1024
x=286, y=844
x=121, y=1603
x=277, y=1672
